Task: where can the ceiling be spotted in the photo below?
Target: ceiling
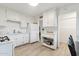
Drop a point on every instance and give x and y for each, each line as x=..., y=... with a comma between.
x=30, y=10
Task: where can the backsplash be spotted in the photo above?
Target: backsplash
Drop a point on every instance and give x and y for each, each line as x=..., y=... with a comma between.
x=50, y=29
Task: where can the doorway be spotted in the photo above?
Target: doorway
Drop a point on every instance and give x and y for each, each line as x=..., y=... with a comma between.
x=40, y=27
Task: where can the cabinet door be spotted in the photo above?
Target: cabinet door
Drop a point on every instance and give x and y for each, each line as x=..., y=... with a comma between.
x=52, y=19
x=26, y=38
x=23, y=24
x=2, y=13
x=12, y=15
x=23, y=20
x=45, y=20
x=49, y=18
x=2, y=16
x=19, y=41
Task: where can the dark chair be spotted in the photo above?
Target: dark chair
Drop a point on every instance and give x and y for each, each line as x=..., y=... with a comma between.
x=71, y=46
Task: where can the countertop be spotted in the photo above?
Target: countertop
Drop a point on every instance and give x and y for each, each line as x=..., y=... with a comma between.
x=16, y=33
x=49, y=35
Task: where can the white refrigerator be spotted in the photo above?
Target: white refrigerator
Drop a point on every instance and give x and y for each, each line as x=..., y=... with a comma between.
x=34, y=33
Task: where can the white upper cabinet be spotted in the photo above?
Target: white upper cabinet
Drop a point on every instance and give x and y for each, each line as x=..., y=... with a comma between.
x=45, y=20
x=12, y=15
x=49, y=18
x=15, y=16
x=2, y=16
x=23, y=21
x=23, y=24
x=2, y=13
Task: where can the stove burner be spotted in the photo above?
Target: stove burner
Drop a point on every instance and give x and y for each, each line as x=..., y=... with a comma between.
x=2, y=39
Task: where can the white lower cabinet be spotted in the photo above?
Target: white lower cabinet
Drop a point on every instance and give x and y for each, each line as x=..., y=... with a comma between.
x=50, y=18
x=19, y=39
x=22, y=39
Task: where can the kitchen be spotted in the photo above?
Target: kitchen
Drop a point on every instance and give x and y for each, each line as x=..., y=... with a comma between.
x=22, y=27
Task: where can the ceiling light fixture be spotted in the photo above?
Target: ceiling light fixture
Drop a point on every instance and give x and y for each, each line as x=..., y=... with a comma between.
x=33, y=4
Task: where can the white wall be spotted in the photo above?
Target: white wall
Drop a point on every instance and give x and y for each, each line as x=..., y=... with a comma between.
x=70, y=26
x=67, y=26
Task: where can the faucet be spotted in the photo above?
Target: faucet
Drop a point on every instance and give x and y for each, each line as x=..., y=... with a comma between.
x=14, y=31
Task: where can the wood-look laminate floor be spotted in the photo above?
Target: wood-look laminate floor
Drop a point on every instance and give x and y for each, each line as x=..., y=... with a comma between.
x=36, y=49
